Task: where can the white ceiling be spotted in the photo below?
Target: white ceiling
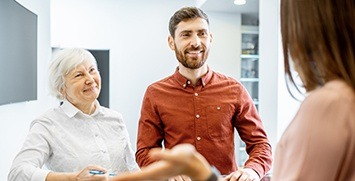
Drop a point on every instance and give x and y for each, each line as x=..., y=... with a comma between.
x=251, y=6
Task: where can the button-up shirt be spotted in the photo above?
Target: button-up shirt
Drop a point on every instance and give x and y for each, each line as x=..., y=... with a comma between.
x=205, y=116
x=67, y=140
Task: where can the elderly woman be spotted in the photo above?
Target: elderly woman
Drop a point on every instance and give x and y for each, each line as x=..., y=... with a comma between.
x=80, y=137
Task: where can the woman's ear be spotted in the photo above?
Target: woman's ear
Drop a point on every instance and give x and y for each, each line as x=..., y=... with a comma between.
x=171, y=42
x=62, y=92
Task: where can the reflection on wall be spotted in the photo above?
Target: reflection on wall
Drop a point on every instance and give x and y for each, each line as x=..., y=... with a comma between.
x=103, y=62
x=18, y=53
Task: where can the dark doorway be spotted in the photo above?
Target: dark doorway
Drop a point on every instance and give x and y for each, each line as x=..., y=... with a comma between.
x=103, y=63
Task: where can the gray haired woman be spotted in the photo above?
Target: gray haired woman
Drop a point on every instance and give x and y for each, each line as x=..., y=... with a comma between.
x=80, y=139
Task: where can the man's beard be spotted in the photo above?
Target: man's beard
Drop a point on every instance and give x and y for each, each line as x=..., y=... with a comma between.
x=191, y=63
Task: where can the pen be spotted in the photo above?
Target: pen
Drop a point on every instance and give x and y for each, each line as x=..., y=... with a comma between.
x=100, y=172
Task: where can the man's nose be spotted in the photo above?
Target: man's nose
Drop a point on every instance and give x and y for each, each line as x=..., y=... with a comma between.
x=195, y=41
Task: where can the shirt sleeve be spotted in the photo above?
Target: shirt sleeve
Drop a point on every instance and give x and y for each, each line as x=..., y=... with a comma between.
x=132, y=165
x=251, y=131
x=150, y=132
x=28, y=163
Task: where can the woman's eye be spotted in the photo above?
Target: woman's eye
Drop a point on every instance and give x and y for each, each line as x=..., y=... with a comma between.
x=78, y=75
x=92, y=70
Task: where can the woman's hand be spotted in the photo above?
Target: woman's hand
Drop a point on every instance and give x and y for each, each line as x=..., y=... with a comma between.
x=83, y=175
x=86, y=175
x=182, y=159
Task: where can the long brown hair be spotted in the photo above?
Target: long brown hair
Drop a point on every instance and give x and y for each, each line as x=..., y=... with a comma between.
x=319, y=37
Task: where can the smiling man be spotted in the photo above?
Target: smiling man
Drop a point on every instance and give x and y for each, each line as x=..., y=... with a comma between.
x=199, y=106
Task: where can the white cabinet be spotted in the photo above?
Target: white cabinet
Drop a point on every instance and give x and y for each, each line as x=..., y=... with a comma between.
x=249, y=65
x=250, y=61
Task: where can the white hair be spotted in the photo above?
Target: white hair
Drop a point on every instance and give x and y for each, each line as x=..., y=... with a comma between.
x=63, y=61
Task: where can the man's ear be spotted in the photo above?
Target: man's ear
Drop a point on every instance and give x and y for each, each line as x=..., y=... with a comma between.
x=171, y=42
x=211, y=38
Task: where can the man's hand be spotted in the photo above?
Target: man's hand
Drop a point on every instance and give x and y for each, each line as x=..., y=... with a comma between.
x=245, y=174
x=180, y=178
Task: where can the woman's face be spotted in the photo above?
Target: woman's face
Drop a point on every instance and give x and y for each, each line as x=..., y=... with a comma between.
x=82, y=84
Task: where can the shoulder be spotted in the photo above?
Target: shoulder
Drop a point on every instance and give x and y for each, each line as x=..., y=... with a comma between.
x=157, y=87
x=334, y=100
x=107, y=112
x=161, y=82
x=332, y=93
x=49, y=117
x=219, y=79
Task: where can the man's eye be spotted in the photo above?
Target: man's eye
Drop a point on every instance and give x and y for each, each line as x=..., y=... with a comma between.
x=203, y=34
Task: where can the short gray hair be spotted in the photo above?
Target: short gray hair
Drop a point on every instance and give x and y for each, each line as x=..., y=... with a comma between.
x=63, y=61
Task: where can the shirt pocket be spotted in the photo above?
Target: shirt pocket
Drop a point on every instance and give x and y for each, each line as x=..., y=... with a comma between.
x=219, y=121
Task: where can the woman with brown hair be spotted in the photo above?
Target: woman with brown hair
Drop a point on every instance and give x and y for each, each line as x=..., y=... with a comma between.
x=319, y=144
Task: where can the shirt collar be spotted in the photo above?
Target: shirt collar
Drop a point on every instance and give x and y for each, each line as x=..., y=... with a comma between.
x=184, y=82
x=70, y=110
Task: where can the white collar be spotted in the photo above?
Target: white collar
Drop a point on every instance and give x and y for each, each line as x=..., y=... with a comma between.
x=70, y=110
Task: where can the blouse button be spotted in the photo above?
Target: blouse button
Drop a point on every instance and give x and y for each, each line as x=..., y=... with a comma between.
x=196, y=94
x=198, y=138
x=197, y=116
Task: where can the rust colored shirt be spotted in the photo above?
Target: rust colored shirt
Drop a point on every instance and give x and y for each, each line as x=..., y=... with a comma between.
x=205, y=116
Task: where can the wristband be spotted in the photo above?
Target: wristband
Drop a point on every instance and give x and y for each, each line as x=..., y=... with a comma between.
x=215, y=174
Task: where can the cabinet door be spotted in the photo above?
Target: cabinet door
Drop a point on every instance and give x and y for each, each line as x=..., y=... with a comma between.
x=250, y=43
x=249, y=67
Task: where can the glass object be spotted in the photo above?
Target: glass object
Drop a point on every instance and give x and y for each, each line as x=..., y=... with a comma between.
x=250, y=68
x=250, y=61
x=250, y=44
x=252, y=88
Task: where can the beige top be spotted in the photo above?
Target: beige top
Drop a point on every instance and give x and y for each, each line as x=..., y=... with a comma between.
x=319, y=143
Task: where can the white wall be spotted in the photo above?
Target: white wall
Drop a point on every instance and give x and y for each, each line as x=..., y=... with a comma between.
x=277, y=107
x=136, y=33
x=16, y=118
x=268, y=66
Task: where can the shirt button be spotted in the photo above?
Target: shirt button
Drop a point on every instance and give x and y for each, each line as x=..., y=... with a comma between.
x=196, y=94
x=218, y=108
x=198, y=138
x=197, y=116
x=188, y=82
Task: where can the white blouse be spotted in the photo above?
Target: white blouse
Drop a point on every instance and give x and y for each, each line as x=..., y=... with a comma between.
x=64, y=139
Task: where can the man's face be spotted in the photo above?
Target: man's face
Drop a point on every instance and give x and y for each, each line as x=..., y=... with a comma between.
x=192, y=42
